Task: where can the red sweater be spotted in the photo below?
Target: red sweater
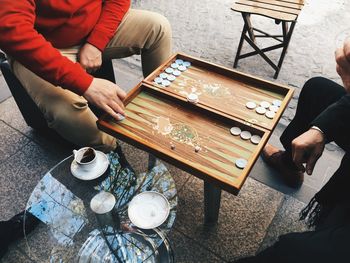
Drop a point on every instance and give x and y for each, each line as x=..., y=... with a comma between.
x=32, y=30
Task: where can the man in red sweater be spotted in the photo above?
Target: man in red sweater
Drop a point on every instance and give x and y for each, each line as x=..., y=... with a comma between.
x=54, y=45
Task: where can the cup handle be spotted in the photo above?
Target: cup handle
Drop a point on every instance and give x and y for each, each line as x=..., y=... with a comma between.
x=75, y=153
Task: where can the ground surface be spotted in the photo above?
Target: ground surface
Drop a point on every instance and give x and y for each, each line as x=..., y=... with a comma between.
x=265, y=208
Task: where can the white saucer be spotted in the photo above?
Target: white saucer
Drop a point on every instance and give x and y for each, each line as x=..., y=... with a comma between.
x=148, y=210
x=101, y=166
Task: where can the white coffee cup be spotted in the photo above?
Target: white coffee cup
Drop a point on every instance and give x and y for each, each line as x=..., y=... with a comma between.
x=85, y=157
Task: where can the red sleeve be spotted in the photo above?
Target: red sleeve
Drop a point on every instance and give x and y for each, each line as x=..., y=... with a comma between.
x=20, y=40
x=112, y=14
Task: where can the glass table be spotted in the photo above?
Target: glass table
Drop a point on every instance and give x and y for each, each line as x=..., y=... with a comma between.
x=69, y=231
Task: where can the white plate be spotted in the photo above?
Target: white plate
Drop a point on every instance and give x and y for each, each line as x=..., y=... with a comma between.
x=99, y=169
x=148, y=210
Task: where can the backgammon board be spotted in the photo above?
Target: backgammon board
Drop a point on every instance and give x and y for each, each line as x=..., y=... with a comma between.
x=208, y=120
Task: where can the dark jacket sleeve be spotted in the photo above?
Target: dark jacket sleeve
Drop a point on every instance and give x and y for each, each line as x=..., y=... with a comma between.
x=335, y=121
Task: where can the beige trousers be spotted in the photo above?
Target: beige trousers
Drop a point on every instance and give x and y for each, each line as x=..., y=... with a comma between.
x=140, y=32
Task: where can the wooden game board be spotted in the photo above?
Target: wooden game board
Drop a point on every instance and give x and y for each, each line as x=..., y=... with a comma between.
x=161, y=120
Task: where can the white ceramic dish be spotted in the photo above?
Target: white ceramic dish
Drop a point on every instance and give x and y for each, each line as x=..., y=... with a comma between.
x=148, y=210
x=99, y=169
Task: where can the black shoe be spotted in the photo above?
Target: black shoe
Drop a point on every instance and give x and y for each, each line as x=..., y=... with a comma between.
x=22, y=223
x=14, y=229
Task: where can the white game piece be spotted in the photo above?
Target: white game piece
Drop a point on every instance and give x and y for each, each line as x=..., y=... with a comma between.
x=179, y=61
x=250, y=105
x=265, y=104
x=176, y=73
x=273, y=108
x=121, y=117
x=169, y=70
x=255, y=139
x=270, y=114
x=277, y=103
x=171, y=78
x=235, y=131
x=241, y=163
x=197, y=148
x=193, y=97
x=163, y=75
x=245, y=135
x=260, y=110
x=187, y=64
x=166, y=83
x=172, y=146
x=182, y=68
x=174, y=65
x=158, y=80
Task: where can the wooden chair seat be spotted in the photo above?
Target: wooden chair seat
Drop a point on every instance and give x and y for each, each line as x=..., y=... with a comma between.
x=285, y=11
x=280, y=10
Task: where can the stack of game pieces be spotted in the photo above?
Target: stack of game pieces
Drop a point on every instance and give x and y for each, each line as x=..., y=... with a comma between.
x=169, y=75
x=265, y=108
x=245, y=135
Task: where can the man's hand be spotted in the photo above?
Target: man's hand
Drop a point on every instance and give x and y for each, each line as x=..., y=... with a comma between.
x=342, y=57
x=308, y=148
x=90, y=58
x=107, y=96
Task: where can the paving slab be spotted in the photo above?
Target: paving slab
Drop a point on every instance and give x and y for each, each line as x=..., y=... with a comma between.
x=15, y=255
x=20, y=174
x=187, y=250
x=11, y=141
x=285, y=221
x=243, y=220
x=4, y=90
x=10, y=114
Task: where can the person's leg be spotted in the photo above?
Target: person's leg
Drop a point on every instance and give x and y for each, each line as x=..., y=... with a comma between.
x=66, y=112
x=142, y=32
x=322, y=246
x=316, y=95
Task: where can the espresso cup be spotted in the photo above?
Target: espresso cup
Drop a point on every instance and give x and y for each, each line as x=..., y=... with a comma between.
x=85, y=158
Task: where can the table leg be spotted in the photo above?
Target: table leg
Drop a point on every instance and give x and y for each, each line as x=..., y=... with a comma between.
x=212, y=198
x=152, y=160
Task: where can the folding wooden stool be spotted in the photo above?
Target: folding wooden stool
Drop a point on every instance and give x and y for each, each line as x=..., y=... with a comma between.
x=284, y=12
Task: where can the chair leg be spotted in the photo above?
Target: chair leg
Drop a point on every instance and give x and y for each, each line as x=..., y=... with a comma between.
x=246, y=28
x=248, y=23
x=240, y=46
x=287, y=35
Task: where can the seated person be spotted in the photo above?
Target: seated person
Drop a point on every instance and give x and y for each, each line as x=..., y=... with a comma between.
x=55, y=43
x=322, y=116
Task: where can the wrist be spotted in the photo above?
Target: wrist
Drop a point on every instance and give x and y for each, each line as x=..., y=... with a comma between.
x=320, y=133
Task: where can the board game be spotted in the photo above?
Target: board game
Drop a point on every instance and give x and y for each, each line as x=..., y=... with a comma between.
x=210, y=121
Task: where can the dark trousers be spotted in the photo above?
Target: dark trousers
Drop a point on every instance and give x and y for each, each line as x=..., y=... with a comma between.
x=330, y=242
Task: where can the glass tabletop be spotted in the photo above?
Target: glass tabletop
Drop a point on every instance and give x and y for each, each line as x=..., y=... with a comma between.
x=71, y=232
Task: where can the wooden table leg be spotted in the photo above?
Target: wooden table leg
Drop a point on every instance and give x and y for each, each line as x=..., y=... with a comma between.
x=152, y=160
x=212, y=198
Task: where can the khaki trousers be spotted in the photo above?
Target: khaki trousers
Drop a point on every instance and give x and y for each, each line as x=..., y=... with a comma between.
x=140, y=32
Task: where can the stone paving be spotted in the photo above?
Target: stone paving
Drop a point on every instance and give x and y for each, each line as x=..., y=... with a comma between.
x=265, y=208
